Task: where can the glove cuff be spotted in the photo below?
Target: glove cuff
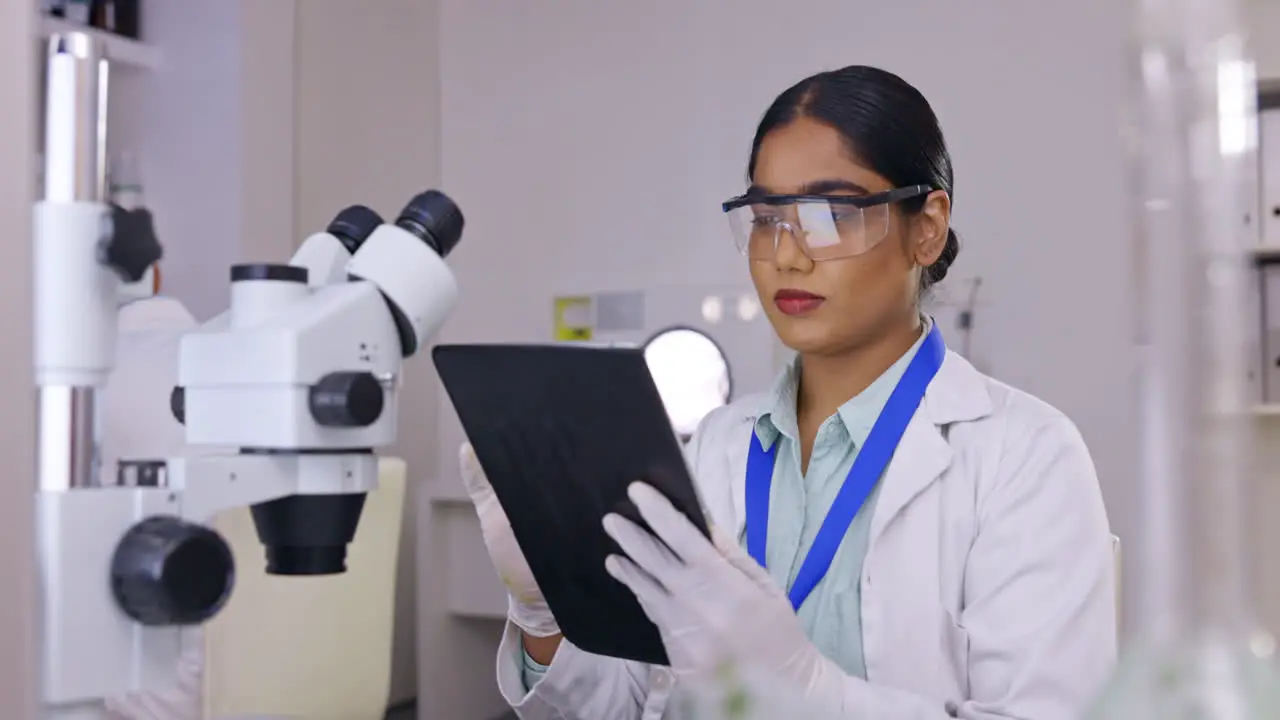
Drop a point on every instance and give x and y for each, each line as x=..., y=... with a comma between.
x=830, y=687
x=533, y=618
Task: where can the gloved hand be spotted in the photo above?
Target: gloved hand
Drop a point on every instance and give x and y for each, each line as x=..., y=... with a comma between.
x=526, y=607
x=713, y=603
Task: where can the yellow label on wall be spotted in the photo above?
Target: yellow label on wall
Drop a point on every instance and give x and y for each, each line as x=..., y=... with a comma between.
x=573, y=318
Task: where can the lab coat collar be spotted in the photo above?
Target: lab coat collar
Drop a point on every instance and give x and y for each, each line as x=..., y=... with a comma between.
x=958, y=393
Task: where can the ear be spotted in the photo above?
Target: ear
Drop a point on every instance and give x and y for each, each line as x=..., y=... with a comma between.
x=931, y=228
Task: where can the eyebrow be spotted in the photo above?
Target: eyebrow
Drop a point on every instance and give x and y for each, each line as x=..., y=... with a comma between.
x=817, y=187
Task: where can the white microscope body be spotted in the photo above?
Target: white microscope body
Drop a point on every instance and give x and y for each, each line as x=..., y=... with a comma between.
x=290, y=390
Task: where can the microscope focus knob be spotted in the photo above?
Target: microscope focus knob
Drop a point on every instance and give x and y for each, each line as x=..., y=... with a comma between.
x=167, y=571
x=346, y=400
x=178, y=404
x=132, y=247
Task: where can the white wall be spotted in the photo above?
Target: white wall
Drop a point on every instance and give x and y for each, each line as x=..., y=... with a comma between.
x=18, y=630
x=214, y=129
x=367, y=121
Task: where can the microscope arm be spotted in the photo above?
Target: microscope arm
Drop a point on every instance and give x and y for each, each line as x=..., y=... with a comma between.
x=209, y=485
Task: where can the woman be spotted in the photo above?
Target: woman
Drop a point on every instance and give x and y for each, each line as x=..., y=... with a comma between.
x=970, y=575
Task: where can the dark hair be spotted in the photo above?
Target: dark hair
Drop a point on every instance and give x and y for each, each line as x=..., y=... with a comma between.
x=888, y=126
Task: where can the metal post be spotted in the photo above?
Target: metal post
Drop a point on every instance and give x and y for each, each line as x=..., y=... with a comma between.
x=75, y=124
x=75, y=145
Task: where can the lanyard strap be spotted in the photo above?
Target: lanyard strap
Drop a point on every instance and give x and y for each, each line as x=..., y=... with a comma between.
x=867, y=468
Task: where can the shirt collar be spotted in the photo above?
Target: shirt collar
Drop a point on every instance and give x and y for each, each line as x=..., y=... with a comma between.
x=854, y=418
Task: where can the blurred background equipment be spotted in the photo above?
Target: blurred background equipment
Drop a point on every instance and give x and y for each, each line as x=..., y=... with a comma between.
x=295, y=385
x=704, y=344
x=692, y=375
x=1198, y=649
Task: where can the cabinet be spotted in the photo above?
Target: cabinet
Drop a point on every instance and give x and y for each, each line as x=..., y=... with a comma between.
x=1269, y=175
x=1264, y=494
x=1266, y=374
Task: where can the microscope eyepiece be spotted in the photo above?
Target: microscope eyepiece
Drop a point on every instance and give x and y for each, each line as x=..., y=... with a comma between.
x=405, y=260
x=249, y=272
x=353, y=226
x=435, y=219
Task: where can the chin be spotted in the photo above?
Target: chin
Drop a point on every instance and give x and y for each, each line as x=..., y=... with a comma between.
x=813, y=340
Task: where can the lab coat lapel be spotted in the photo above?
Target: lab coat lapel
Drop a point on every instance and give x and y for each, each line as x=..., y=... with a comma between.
x=921, y=458
x=736, y=461
x=958, y=393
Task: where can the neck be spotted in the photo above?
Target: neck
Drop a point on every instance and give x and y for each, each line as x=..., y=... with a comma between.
x=828, y=381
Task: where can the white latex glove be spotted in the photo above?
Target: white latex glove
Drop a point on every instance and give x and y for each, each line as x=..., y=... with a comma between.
x=713, y=604
x=526, y=607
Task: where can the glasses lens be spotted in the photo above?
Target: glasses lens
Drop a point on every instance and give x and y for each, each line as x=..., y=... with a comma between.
x=756, y=227
x=825, y=230
x=835, y=230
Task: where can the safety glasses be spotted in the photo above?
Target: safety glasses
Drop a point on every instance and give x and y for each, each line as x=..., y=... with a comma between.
x=826, y=227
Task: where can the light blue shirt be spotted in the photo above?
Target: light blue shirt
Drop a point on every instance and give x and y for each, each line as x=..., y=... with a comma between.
x=799, y=501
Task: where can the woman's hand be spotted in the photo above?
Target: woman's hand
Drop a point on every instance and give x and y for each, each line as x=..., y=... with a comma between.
x=711, y=601
x=527, y=609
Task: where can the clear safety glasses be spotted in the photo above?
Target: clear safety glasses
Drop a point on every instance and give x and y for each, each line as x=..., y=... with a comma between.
x=826, y=227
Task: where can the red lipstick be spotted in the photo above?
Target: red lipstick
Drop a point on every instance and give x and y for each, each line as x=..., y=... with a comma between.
x=797, y=302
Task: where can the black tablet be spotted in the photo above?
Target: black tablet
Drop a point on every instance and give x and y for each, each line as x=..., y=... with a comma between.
x=561, y=431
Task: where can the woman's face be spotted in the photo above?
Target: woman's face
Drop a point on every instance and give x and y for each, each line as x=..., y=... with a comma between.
x=861, y=296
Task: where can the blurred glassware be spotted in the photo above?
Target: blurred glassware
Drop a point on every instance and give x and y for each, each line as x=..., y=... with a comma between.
x=1197, y=651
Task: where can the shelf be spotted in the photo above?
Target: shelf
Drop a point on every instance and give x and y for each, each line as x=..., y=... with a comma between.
x=1267, y=410
x=120, y=50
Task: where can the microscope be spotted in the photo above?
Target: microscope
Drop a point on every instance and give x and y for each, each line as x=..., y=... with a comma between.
x=290, y=392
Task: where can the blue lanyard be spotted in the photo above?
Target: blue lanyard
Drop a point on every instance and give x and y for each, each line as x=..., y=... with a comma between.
x=867, y=468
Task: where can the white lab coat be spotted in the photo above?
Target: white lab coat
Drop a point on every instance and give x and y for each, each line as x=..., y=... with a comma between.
x=988, y=589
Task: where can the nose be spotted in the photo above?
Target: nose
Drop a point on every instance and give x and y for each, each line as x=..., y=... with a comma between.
x=788, y=253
